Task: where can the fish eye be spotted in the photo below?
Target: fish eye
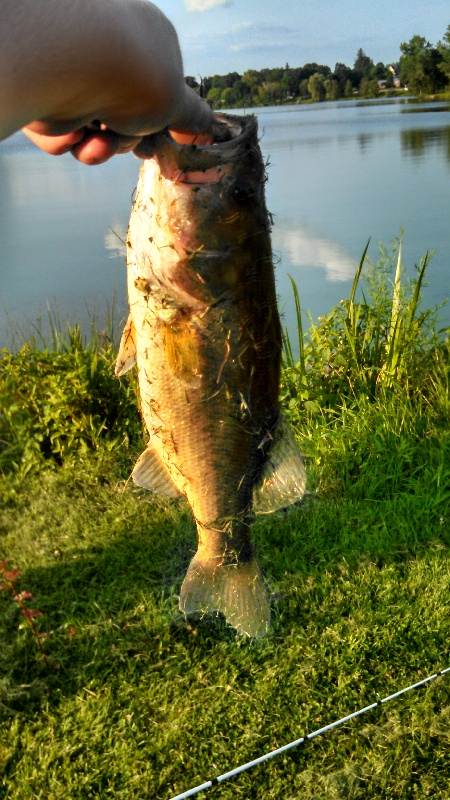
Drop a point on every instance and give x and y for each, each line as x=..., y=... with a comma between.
x=242, y=192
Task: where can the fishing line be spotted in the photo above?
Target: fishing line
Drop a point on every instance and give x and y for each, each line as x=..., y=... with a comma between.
x=232, y=773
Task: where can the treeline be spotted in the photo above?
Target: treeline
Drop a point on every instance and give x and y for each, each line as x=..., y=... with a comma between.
x=423, y=69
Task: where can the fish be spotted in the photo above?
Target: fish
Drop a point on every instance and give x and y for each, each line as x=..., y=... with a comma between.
x=204, y=331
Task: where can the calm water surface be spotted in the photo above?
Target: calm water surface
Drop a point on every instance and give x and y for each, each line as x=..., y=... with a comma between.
x=339, y=173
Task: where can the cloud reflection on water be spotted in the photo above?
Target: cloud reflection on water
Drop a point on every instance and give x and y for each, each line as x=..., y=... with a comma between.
x=115, y=240
x=306, y=248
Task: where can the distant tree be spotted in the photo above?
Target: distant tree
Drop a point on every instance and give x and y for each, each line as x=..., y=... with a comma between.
x=363, y=65
x=244, y=95
x=311, y=69
x=343, y=74
x=285, y=84
x=270, y=93
x=419, y=66
x=217, y=82
x=251, y=79
x=379, y=71
x=444, y=50
x=192, y=82
x=349, y=90
x=230, y=79
x=224, y=81
x=332, y=88
x=316, y=87
x=228, y=98
x=294, y=76
x=207, y=84
x=369, y=87
x=303, y=88
x=214, y=97
x=389, y=79
x=249, y=88
x=274, y=75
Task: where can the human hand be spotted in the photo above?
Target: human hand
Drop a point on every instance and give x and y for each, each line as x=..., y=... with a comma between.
x=95, y=143
x=93, y=78
x=92, y=144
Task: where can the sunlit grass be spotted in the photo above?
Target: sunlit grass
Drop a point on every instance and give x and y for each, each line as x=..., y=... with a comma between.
x=139, y=704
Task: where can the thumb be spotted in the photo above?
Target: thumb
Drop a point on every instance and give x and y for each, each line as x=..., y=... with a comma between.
x=191, y=113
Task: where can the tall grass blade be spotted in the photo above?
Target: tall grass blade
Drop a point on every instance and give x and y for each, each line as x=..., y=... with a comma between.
x=288, y=356
x=353, y=313
x=357, y=276
x=393, y=343
x=415, y=297
x=396, y=295
x=301, y=348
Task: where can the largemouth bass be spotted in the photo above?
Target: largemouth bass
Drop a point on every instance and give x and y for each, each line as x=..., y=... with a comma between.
x=204, y=331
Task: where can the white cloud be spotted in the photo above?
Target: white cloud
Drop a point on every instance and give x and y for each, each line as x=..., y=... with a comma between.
x=240, y=26
x=263, y=28
x=205, y=5
x=258, y=36
x=256, y=46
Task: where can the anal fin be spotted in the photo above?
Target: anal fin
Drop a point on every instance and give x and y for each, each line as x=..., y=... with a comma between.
x=126, y=357
x=152, y=474
x=283, y=479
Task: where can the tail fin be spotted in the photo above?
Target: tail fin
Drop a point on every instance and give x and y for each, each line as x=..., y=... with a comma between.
x=237, y=590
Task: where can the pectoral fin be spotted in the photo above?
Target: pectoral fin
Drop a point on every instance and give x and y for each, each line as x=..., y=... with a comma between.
x=283, y=479
x=126, y=357
x=152, y=474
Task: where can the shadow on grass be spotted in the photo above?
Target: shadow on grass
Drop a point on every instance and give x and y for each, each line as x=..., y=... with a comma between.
x=109, y=594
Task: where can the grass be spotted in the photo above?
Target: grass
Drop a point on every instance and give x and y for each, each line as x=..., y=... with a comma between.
x=137, y=703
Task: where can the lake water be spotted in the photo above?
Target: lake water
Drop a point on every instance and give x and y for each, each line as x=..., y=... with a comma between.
x=339, y=173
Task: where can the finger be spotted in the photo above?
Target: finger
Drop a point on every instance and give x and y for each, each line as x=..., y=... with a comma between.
x=98, y=146
x=192, y=138
x=146, y=146
x=55, y=145
x=133, y=142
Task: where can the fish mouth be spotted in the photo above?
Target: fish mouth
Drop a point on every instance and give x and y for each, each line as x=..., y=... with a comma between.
x=227, y=127
x=231, y=138
x=224, y=128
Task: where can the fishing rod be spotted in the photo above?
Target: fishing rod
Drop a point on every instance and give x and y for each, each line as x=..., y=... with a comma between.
x=244, y=767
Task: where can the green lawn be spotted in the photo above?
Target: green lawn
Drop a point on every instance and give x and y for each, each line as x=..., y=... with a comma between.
x=136, y=703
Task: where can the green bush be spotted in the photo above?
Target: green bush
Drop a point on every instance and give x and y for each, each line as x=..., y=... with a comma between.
x=62, y=399
x=382, y=345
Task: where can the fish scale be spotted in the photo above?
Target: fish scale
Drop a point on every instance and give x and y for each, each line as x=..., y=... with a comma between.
x=205, y=334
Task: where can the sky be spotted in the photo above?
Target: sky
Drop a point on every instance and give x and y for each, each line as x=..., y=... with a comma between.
x=221, y=36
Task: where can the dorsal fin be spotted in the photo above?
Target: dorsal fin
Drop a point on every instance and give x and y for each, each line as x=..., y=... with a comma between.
x=283, y=479
x=126, y=357
x=152, y=474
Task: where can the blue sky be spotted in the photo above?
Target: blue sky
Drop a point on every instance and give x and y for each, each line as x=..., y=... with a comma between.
x=220, y=36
